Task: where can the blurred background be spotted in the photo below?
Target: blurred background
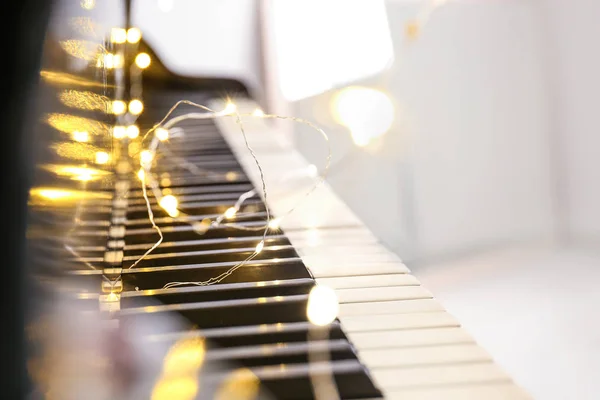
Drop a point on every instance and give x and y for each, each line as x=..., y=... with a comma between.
x=464, y=134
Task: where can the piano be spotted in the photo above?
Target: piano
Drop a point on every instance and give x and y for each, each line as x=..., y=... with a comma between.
x=124, y=330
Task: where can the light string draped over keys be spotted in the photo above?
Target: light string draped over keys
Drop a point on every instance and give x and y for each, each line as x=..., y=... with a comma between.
x=231, y=112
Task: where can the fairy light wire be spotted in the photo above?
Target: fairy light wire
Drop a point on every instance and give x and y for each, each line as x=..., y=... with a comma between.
x=167, y=123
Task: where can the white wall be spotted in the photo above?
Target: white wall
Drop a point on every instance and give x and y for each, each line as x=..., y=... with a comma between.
x=467, y=163
x=573, y=53
x=204, y=37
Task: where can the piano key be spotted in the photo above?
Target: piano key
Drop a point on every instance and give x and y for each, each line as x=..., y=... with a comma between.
x=369, y=281
x=378, y=294
x=488, y=391
x=386, y=340
x=390, y=307
x=371, y=323
x=418, y=356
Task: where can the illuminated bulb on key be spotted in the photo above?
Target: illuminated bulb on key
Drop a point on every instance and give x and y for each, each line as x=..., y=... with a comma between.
x=136, y=107
x=202, y=226
x=118, y=107
x=118, y=35
x=119, y=132
x=323, y=306
x=161, y=134
x=133, y=35
x=230, y=212
x=133, y=131
x=259, y=247
x=274, y=223
x=146, y=157
x=141, y=174
x=102, y=157
x=169, y=203
x=258, y=113
x=81, y=136
x=229, y=108
x=142, y=60
x=312, y=170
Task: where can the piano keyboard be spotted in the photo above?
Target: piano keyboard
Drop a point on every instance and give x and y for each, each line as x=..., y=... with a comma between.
x=391, y=340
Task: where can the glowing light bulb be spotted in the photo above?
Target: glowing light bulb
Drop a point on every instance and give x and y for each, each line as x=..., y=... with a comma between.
x=146, y=157
x=169, y=203
x=133, y=131
x=231, y=176
x=259, y=247
x=141, y=174
x=81, y=136
x=312, y=170
x=54, y=194
x=323, y=306
x=229, y=108
x=230, y=212
x=118, y=35
x=118, y=107
x=134, y=35
x=274, y=223
x=142, y=60
x=136, y=107
x=102, y=157
x=368, y=113
x=258, y=113
x=201, y=227
x=161, y=134
x=118, y=61
x=119, y=132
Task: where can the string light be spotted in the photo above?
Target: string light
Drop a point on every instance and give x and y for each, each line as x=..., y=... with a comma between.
x=133, y=131
x=119, y=132
x=134, y=35
x=88, y=4
x=141, y=174
x=274, y=224
x=322, y=307
x=259, y=247
x=230, y=212
x=230, y=108
x=258, y=113
x=118, y=35
x=162, y=134
x=146, y=157
x=102, y=157
x=142, y=60
x=136, y=107
x=118, y=107
x=169, y=203
x=81, y=136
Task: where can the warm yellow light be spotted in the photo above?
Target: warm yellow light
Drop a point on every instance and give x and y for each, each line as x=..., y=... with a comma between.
x=142, y=60
x=259, y=247
x=229, y=108
x=162, y=134
x=118, y=107
x=240, y=384
x=169, y=203
x=136, y=107
x=323, y=306
x=70, y=123
x=53, y=194
x=185, y=357
x=119, y=132
x=368, y=113
x=83, y=49
x=118, y=35
x=75, y=150
x=258, y=113
x=202, y=226
x=102, y=157
x=134, y=35
x=231, y=176
x=133, y=131
x=75, y=172
x=83, y=100
x=118, y=61
x=63, y=79
x=146, y=157
x=274, y=223
x=81, y=136
x=88, y=4
x=230, y=212
x=141, y=174
x=178, y=387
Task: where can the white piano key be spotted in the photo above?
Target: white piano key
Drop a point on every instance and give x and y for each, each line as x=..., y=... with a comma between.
x=369, y=281
x=363, y=295
x=490, y=391
x=390, y=307
x=332, y=268
x=408, y=338
x=417, y=356
x=371, y=323
x=396, y=378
